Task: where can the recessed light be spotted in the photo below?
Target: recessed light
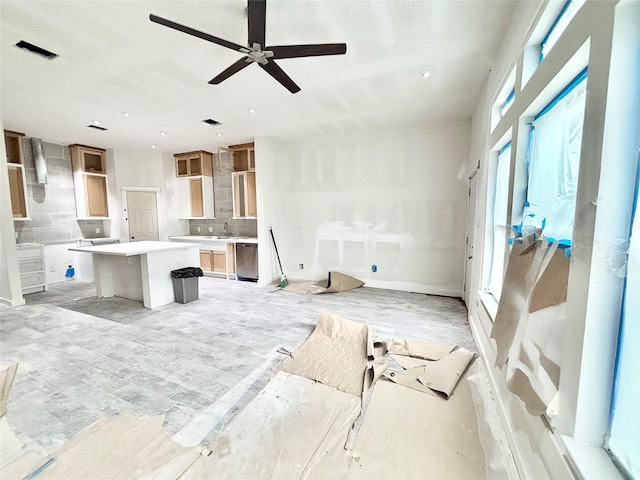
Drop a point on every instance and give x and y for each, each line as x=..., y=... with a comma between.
x=252, y=111
x=59, y=137
x=164, y=134
x=126, y=114
x=219, y=134
x=96, y=122
x=426, y=73
x=154, y=146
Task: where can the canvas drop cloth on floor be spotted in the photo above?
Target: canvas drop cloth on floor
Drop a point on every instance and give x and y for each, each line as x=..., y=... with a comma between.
x=335, y=282
x=334, y=354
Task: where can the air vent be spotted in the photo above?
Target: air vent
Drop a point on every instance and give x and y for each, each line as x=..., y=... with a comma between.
x=211, y=121
x=97, y=127
x=36, y=49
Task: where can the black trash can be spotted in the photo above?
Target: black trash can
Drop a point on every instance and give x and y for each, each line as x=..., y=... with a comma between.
x=185, y=283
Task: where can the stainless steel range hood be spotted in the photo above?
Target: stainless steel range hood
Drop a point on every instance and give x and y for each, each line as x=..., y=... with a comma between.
x=39, y=160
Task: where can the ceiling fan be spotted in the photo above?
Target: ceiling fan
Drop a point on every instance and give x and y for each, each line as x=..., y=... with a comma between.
x=257, y=51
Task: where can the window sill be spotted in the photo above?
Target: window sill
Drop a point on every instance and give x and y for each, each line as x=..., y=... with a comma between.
x=490, y=304
x=590, y=462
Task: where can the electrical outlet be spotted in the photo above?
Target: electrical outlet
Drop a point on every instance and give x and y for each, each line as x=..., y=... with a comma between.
x=301, y=266
x=210, y=229
x=395, y=269
x=52, y=267
x=178, y=258
x=97, y=229
x=198, y=229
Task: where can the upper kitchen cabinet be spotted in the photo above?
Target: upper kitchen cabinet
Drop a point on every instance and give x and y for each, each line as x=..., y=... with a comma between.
x=194, y=185
x=90, y=181
x=244, y=195
x=243, y=157
x=193, y=164
x=17, y=177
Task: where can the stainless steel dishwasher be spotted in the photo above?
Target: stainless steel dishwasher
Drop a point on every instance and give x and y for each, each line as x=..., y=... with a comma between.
x=247, y=261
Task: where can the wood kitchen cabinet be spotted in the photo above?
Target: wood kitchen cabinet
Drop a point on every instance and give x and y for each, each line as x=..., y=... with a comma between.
x=244, y=195
x=194, y=197
x=17, y=177
x=194, y=187
x=243, y=158
x=191, y=164
x=219, y=261
x=90, y=181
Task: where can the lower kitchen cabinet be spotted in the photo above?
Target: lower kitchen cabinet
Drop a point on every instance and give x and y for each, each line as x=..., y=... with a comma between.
x=31, y=266
x=219, y=261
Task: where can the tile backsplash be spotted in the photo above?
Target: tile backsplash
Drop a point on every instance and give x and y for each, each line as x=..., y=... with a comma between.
x=52, y=205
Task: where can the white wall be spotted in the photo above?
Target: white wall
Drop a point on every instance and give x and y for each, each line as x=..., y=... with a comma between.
x=149, y=169
x=388, y=198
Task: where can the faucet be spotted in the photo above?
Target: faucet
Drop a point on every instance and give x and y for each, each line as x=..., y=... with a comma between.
x=225, y=230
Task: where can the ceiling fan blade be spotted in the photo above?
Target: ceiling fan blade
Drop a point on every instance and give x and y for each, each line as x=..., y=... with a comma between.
x=257, y=15
x=276, y=72
x=293, y=51
x=235, y=68
x=195, y=33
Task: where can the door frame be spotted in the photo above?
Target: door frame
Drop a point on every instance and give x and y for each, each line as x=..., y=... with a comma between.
x=125, y=211
x=472, y=205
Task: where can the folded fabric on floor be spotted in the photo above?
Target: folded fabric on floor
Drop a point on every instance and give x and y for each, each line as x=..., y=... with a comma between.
x=334, y=354
x=431, y=376
x=335, y=282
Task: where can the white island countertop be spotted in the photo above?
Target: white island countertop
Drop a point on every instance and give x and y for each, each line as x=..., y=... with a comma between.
x=140, y=270
x=207, y=239
x=133, y=248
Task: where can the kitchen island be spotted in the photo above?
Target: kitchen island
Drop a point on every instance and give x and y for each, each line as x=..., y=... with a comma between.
x=140, y=270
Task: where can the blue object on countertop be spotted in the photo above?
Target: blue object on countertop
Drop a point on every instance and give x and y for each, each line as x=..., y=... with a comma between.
x=71, y=272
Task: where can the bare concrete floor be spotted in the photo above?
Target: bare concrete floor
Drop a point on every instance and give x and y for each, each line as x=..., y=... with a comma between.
x=82, y=358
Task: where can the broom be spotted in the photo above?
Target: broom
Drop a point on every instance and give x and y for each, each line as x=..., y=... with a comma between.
x=283, y=279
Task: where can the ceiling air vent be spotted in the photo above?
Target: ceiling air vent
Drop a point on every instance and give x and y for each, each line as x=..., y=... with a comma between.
x=211, y=121
x=36, y=49
x=97, y=127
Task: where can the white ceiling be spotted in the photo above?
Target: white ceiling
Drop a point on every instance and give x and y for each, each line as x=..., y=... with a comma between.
x=112, y=59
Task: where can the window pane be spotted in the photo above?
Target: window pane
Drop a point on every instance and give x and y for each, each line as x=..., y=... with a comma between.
x=625, y=408
x=500, y=221
x=554, y=157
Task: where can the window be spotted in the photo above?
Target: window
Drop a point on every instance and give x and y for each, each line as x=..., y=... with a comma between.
x=507, y=104
x=500, y=216
x=624, y=429
x=553, y=163
x=567, y=12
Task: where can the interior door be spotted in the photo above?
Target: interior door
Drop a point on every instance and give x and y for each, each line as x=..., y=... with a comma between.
x=142, y=216
x=471, y=228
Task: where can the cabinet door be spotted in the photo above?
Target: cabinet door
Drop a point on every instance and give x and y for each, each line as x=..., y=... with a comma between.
x=231, y=257
x=182, y=167
x=195, y=165
x=205, y=260
x=244, y=195
x=16, y=187
x=13, y=146
x=219, y=261
x=93, y=161
x=197, y=200
x=95, y=187
x=251, y=209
